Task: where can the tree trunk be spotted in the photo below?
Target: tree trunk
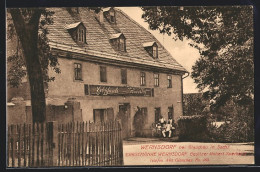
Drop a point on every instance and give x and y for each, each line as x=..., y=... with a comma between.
x=28, y=35
x=36, y=82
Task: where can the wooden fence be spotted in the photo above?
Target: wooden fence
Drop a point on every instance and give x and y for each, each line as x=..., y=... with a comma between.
x=71, y=144
x=29, y=145
x=90, y=144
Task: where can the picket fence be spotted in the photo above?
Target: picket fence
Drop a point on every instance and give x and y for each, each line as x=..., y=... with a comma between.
x=70, y=144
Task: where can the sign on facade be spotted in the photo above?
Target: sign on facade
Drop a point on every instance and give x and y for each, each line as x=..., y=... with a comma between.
x=104, y=90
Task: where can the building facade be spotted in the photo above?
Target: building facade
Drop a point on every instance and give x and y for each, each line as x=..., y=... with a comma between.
x=114, y=68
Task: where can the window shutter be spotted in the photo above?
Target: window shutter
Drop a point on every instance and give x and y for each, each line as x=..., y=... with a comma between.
x=86, y=89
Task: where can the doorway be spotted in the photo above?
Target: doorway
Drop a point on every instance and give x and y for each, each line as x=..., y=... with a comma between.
x=157, y=113
x=124, y=117
x=170, y=112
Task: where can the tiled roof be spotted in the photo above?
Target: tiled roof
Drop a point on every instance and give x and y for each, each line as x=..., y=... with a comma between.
x=98, y=35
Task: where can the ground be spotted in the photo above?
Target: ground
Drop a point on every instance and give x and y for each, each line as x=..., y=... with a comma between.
x=157, y=151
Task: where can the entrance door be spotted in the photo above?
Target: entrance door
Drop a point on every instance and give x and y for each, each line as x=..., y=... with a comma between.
x=124, y=116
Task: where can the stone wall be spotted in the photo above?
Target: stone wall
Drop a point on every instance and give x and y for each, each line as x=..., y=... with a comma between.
x=18, y=112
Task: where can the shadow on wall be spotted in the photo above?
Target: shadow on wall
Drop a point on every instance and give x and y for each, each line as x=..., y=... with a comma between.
x=18, y=112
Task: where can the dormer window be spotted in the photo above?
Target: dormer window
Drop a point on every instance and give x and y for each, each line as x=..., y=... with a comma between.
x=112, y=17
x=110, y=14
x=151, y=48
x=77, y=32
x=118, y=42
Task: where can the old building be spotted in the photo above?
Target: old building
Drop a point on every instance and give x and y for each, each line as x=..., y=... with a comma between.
x=113, y=67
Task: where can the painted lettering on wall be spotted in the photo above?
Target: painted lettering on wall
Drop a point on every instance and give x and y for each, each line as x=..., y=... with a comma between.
x=104, y=90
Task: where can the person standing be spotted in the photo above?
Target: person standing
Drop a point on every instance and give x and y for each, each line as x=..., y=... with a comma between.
x=162, y=120
x=173, y=127
x=138, y=122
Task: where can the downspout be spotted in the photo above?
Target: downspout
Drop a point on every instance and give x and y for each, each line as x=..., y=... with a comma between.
x=182, y=89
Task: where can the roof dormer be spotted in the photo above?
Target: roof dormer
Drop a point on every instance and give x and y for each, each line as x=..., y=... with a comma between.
x=77, y=32
x=110, y=14
x=118, y=42
x=151, y=48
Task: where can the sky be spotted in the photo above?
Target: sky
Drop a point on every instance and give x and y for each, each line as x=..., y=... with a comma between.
x=180, y=50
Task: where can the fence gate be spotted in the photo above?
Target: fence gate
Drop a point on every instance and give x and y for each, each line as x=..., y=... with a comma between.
x=30, y=145
x=90, y=144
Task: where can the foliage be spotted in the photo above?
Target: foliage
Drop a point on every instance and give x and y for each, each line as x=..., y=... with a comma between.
x=194, y=104
x=193, y=128
x=17, y=69
x=224, y=37
x=238, y=128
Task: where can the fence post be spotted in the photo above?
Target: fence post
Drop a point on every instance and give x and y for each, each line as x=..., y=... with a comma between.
x=121, y=145
x=54, y=144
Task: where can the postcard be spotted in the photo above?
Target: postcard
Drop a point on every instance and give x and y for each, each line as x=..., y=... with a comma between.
x=130, y=86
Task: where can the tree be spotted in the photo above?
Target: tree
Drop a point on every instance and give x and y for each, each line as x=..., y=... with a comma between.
x=194, y=104
x=29, y=26
x=224, y=38
x=33, y=56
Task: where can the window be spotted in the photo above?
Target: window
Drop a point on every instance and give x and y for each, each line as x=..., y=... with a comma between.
x=103, y=74
x=142, y=78
x=103, y=115
x=112, y=19
x=155, y=51
x=123, y=76
x=112, y=16
x=77, y=71
x=169, y=83
x=81, y=35
x=151, y=48
x=77, y=31
x=118, y=41
x=156, y=80
x=121, y=46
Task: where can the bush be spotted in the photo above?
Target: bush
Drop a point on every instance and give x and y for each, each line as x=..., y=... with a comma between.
x=199, y=128
x=236, y=131
x=193, y=128
x=240, y=128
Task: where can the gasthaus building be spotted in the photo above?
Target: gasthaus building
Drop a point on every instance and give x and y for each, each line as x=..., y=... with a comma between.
x=113, y=67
